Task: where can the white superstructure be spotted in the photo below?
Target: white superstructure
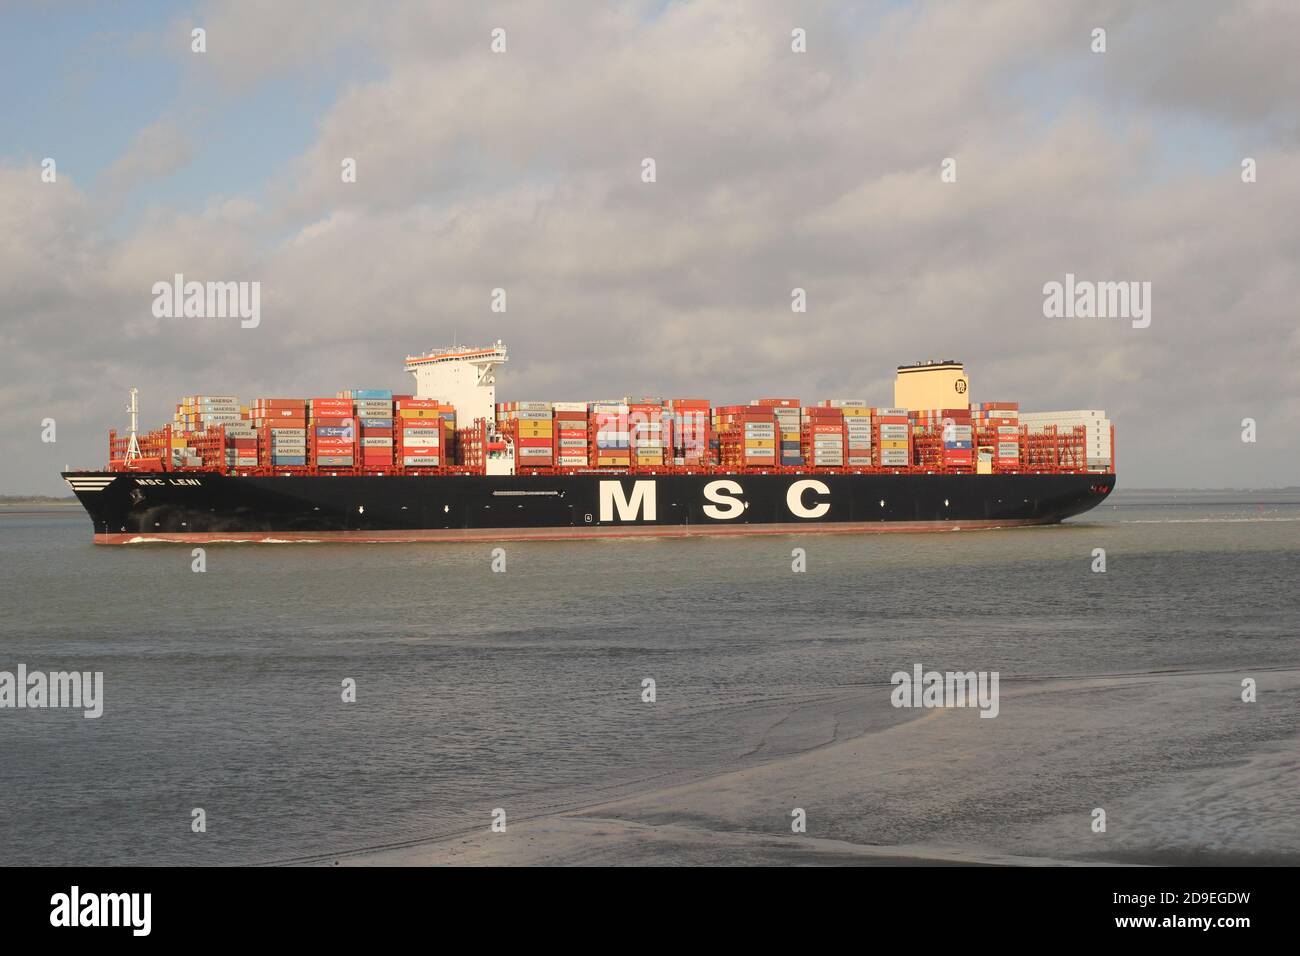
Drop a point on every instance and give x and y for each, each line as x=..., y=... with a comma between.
x=462, y=376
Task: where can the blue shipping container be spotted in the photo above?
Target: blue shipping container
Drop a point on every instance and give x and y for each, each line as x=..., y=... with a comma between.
x=371, y=393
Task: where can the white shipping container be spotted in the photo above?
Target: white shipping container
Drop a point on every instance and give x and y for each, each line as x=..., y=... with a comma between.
x=376, y=443
x=569, y=406
x=1085, y=413
x=890, y=412
x=532, y=416
x=534, y=406
x=571, y=461
x=573, y=443
x=858, y=459
x=425, y=461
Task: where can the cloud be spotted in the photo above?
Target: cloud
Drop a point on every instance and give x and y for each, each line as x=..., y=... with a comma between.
x=156, y=151
x=775, y=170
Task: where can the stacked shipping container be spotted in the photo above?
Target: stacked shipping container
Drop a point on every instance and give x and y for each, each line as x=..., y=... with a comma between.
x=690, y=431
x=333, y=432
x=1098, y=444
x=823, y=438
x=533, y=426
x=950, y=437
x=788, y=425
x=572, y=426
x=997, y=433
x=610, y=432
x=373, y=410
x=746, y=436
x=646, y=432
x=421, y=432
x=375, y=431
x=859, y=439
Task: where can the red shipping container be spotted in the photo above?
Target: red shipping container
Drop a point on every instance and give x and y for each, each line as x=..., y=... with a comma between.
x=418, y=403
x=778, y=402
x=533, y=442
x=827, y=429
x=326, y=441
x=414, y=451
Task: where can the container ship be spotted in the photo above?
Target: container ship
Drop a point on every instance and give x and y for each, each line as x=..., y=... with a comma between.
x=447, y=462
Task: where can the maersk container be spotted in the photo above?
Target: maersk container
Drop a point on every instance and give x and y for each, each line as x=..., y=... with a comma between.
x=336, y=461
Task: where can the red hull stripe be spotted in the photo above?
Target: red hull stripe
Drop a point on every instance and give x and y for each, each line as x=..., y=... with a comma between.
x=552, y=534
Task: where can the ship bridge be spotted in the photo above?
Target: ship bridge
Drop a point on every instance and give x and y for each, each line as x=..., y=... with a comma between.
x=463, y=376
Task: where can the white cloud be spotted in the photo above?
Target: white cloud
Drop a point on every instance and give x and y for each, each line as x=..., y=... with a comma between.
x=775, y=170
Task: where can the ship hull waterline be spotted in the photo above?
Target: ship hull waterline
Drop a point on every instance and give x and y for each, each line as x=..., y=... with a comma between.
x=209, y=507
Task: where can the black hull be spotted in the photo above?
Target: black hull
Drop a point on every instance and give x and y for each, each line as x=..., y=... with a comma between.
x=203, y=507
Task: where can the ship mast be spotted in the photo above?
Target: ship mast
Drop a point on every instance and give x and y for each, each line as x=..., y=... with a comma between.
x=133, y=445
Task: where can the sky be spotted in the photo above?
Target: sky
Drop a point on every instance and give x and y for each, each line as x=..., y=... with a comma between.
x=774, y=170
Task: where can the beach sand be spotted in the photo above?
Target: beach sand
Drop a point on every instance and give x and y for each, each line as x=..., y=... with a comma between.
x=950, y=787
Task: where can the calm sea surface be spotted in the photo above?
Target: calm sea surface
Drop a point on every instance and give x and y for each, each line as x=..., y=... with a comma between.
x=478, y=689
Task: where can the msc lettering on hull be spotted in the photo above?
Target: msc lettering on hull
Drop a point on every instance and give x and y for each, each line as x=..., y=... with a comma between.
x=641, y=502
x=725, y=500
